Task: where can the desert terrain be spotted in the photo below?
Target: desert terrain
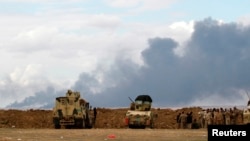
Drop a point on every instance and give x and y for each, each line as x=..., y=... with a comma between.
x=10, y=134
x=106, y=118
x=37, y=125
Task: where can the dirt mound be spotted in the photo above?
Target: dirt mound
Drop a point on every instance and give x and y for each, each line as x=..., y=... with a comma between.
x=106, y=118
x=26, y=119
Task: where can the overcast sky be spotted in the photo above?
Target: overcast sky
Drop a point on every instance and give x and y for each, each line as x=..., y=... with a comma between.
x=180, y=52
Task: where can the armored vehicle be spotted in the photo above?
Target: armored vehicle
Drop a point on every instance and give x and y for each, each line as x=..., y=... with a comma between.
x=246, y=114
x=71, y=111
x=140, y=115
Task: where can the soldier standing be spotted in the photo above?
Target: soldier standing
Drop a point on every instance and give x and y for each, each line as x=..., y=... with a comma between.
x=183, y=120
x=95, y=113
x=220, y=120
x=201, y=119
x=216, y=117
x=178, y=121
x=232, y=117
x=239, y=116
x=189, y=120
x=227, y=117
x=208, y=118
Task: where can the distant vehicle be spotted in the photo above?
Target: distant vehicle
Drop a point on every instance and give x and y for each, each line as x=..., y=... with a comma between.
x=246, y=112
x=140, y=114
x=71, y=111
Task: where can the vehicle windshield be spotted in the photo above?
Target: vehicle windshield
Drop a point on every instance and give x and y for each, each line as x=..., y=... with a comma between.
x=138, y=102
x=147, y=102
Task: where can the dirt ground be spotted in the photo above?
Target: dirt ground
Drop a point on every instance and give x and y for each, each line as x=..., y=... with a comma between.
x=14, y=134
x=106, y=118
x=37, y=125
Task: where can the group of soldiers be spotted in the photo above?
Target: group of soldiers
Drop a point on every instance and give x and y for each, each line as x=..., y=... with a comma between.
x=184, y=120
x=213, y=116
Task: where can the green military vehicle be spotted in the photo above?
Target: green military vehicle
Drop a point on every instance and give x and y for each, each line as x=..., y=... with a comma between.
x=71, y=111
x=140, y=115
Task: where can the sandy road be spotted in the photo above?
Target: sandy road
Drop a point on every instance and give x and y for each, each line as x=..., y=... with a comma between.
x=13, y=134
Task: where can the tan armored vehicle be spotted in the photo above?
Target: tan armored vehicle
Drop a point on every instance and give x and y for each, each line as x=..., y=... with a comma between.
x=246, y=114
x=71, y=111
x=140, y=114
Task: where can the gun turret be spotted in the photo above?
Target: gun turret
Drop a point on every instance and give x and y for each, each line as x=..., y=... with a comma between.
x=132, y=104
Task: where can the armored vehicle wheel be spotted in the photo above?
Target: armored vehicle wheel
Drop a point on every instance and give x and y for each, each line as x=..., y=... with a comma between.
x=83, y=124
x=80, y=123
x=68, y=126
x=56, y=123
x=57, y=126
x=90, y=123
x=151, y=125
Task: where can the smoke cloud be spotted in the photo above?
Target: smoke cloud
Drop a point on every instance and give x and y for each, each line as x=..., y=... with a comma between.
x=213, y=70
